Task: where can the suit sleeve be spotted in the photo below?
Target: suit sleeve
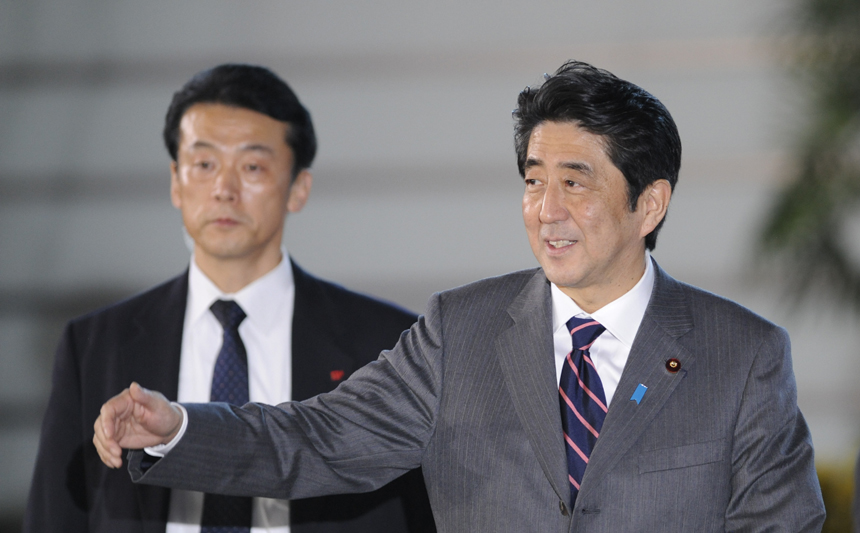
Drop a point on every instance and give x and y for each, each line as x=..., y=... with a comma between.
x=773, y=471
x=58, y=494
x=373, y=428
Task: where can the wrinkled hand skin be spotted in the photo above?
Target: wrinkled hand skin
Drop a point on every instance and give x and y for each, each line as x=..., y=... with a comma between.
x=135, y=418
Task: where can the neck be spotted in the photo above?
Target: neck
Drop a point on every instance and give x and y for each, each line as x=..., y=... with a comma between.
x=231, y=275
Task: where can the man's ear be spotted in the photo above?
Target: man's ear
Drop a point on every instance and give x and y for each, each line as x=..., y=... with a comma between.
x=654, y=202
x=300, y=190
x=175, y=197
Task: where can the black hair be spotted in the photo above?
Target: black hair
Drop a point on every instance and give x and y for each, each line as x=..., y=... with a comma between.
x=640, y=137
x=249, y=87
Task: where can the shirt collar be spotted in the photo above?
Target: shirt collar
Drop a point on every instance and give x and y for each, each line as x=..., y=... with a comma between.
x=621, y=317
x=260, y=299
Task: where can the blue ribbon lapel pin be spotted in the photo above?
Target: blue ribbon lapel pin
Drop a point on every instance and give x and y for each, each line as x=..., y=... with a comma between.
x=638, y=394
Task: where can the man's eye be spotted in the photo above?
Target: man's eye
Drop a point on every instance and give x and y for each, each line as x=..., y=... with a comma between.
x=253, y=167
x=204, y=164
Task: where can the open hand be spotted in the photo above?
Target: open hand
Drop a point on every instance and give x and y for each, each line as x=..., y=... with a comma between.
x=135, y=418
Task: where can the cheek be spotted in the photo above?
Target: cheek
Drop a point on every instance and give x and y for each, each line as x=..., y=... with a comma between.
x=592, y=215
x=589, y=209
x=265, y=192
x=192, y=219
x=194, y=202
x=268, y=205
x=531, y=218
x=195, y=206
x=531, y=211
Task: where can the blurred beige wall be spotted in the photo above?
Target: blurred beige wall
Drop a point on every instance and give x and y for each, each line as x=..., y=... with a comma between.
x=416, y=188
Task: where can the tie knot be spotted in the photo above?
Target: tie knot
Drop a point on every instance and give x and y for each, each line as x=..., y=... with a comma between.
x=228, y=313
x=584, y=331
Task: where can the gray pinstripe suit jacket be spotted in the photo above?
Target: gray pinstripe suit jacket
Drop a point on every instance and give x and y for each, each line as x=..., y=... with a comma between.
x=470, y=394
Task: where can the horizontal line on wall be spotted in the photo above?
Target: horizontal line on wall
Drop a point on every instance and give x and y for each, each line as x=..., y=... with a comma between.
x=59, y=304
x=717, y=54
x=63, y=187
x=22, y=414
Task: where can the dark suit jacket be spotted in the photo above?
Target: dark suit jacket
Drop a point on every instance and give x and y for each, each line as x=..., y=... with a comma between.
x=140, y=340
x=471, y=395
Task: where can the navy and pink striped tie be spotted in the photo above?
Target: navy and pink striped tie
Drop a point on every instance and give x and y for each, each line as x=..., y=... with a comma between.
x=582, y=401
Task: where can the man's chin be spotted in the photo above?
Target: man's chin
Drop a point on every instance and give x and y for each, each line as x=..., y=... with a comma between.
x=559, y=270
x=224, y=251
x=561, y=279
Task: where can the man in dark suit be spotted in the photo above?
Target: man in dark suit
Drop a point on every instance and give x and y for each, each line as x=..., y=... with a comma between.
x=241, y=144
x=595, y=393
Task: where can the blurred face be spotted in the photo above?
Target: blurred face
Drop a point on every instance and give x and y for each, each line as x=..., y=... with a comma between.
x=232, y=183
x=578, y=218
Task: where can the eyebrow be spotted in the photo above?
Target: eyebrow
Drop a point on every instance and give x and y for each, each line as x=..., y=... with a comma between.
x=579, y=166
x=258, y=148
x=531, y=162
x=201, y=144
x=246, y=148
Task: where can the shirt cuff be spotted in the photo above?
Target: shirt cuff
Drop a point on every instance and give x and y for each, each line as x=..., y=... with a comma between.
x=161, y=450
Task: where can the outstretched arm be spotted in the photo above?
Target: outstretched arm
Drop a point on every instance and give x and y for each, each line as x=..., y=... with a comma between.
x=135, y=418
x=373, y=428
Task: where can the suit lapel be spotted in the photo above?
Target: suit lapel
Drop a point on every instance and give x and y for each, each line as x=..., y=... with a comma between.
x=318, y=335
x=526, y=357
x=154, y=346
x=151, y=357
x=666, y=319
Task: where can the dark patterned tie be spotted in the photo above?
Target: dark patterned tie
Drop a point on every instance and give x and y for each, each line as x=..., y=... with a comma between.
x=583, y=404
x=228, y=514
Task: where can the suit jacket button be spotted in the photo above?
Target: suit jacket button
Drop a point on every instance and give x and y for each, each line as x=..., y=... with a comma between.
x=563, y=508
x=673, y=365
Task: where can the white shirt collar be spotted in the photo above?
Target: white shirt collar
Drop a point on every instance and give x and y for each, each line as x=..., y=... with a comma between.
x=254, y=299
x=621, y=317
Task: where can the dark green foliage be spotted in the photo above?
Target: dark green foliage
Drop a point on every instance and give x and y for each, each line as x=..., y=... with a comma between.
x=806, y=230
x=837, y=489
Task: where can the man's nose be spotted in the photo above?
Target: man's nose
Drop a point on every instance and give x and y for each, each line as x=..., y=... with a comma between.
x=552, y=208
x=226, y=186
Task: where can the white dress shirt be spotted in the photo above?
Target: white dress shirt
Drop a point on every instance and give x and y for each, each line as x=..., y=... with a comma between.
x=621, y=318
x=267, y=335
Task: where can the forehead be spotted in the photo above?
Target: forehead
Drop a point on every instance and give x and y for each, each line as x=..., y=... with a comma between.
x=561, y=140
x=228, y=126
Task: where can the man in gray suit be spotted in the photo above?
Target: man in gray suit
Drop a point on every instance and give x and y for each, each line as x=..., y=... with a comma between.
x=497, y=394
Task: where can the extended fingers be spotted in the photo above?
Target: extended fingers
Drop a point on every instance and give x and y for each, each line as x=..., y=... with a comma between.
x=109, y=451
x=105, y=429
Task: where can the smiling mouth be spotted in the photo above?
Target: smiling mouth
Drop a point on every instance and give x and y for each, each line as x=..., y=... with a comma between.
x=560, y=243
